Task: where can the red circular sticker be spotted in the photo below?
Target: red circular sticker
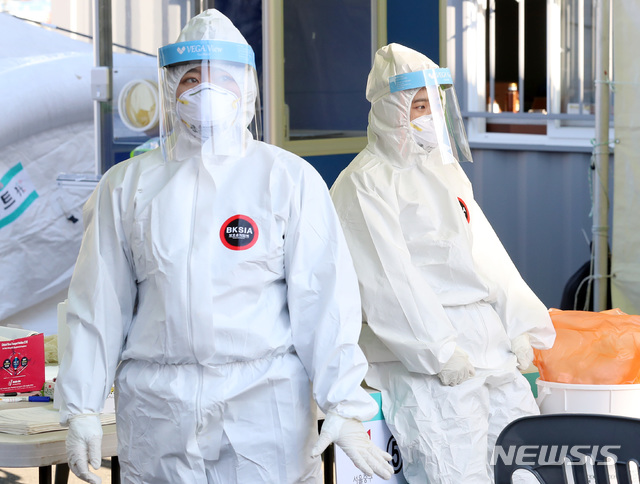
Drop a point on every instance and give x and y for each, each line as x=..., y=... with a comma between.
x=465, y=210
x=239, y=233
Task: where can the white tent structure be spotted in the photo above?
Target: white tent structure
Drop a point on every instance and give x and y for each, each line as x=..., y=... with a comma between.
x=625, y=247
x=47, y=129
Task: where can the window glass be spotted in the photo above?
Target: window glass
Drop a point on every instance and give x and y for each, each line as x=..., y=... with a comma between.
x=327, y=51
x=577, y=57
x=527, y=66
x=516, y=69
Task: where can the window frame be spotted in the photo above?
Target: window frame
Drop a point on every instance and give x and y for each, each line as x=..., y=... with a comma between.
x=275, y=128
x=464, y=37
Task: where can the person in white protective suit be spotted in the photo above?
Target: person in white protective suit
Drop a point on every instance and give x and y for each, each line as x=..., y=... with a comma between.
x=215, y=287
x=448, y=318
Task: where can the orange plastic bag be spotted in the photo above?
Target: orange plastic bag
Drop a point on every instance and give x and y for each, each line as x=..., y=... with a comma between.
x=592, y=348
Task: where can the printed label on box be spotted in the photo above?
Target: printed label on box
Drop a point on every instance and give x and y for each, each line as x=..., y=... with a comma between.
x=22, y=364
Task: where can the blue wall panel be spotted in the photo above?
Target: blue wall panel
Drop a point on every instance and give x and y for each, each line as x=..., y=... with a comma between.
x=330, y=166
x=415, y=24
x=539, y=205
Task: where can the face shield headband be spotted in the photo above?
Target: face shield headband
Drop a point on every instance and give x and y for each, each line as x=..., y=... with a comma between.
x=210, y=98
x=202, y=50
x=447, y=119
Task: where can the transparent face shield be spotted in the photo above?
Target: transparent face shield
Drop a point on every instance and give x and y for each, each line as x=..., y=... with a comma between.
x=443, y=126
x=210, y=100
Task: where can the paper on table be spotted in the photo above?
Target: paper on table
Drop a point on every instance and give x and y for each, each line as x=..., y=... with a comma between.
x=35, y=420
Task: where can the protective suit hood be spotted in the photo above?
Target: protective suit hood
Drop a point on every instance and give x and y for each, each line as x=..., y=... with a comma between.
x=388, y=131
x=211, y=24
x=209, y=39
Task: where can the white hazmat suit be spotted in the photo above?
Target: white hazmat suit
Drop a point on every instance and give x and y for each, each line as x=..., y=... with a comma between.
x=442, y=301
x=214, y=288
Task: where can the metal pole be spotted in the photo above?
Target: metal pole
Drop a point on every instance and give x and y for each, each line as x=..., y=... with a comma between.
x=521, y=41
x=274, y=125
x=202, y=5
x=600, y=228
x=102, y=82
x=492, y=54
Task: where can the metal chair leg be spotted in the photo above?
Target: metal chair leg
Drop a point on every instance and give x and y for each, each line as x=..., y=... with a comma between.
x=62, y=474
x=115, y=470
x=44, y=475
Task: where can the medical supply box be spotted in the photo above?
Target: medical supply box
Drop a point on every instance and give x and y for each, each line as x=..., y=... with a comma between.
x=22, y=358
x=380, y=435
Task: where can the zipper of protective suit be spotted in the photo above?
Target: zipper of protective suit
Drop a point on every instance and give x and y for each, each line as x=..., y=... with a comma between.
x=190, y=332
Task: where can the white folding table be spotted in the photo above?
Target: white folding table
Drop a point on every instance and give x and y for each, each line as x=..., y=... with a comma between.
x=46, y=449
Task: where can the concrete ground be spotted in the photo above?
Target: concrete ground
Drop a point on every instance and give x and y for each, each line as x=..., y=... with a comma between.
x=29, y=475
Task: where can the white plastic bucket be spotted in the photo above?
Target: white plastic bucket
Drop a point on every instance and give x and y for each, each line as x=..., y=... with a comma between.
x=573, y=398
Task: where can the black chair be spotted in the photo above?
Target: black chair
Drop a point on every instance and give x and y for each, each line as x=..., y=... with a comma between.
x=565, y=448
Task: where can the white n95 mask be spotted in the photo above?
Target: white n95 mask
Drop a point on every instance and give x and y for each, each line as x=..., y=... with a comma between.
x=423, y=130
x=207, y=106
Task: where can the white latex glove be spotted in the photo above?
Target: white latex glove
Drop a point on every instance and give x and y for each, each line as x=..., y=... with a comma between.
x=84, y=443
x=353, y=439
x=457, y=369
x=521, y=347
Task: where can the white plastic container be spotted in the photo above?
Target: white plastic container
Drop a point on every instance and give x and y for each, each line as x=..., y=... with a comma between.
x=573, y=398
x=139, y=106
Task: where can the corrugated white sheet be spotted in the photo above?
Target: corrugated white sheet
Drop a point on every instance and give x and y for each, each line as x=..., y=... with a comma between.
x=626, y=200
x=46, y=129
